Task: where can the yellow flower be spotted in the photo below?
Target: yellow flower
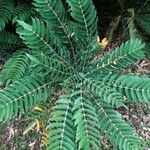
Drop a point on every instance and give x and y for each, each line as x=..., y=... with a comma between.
x=103, y=43
x=38, y=125
x=37, y=108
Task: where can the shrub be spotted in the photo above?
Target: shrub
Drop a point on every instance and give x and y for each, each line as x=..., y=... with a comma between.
x=59, y=58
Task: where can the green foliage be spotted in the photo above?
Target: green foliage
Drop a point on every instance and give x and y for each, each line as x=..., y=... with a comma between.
x=21, y=12
x=143, y=17
x=85, y=19
x=61, y=128
x=134, y=87
x=57, y=59
x=35, y=36
x=21, y=96
x=52, y=67
x=122, y=56
x=54, y=14
x=135, y=19
x=6, y=8
x=86, y=121
x=9, y=41
x=105, y=92
x=15, y=68
x=121, y=134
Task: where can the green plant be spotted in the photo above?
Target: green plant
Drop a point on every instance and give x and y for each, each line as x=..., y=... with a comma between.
x=135, y=19
x=62, y=46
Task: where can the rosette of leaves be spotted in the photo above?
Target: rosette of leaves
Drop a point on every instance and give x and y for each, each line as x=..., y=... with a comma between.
x=60, y=62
